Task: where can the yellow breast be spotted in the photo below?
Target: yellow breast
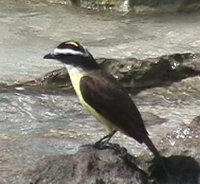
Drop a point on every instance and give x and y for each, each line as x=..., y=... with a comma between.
x=75, y=77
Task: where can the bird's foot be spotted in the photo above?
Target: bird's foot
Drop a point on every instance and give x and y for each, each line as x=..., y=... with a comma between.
x=101, y=144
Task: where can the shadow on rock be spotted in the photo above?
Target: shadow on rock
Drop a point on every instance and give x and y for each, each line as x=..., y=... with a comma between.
x=181, y=170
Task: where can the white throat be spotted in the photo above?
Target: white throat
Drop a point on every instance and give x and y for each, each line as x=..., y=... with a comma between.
x=75, y=74
x=74, y=70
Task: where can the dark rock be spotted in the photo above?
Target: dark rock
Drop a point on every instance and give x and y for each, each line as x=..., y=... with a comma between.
x=196, y=121
x=110, y=165
x=189, y=6
x=140, y=6
x=76, y=2
x=140, y=74
x=56, y=77
x=143, y=6
x=153, y=71
x=88, y=166
x=98, y=4
x=181, y=170
x=52, y=82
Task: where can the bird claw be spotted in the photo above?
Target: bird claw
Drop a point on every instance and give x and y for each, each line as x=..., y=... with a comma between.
x=101, y=144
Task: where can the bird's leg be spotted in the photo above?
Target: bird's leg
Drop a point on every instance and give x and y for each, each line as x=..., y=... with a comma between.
x=102, y=143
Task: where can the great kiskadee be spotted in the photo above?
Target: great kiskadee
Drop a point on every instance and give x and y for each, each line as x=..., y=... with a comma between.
x=101, y=94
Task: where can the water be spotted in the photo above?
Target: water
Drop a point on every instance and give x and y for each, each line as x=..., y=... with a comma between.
x=31, y=29
x=32, y=126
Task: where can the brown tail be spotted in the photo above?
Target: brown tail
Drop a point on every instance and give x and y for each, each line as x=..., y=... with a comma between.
x=157, y=155
x=152, y=148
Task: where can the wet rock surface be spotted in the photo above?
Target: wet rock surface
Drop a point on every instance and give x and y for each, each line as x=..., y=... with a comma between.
x=39, y=118
x=111, y=165
x=132, y=72
x=167, y=87
x=168, y=100
x=99, y=4
x=139, y=6
x=142, y=73
x=154, y=71
x=88, y=165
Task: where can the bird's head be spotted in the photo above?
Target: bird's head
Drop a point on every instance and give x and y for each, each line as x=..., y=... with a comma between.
x=72, y=53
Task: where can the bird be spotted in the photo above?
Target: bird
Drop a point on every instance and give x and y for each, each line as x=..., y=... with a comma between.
x=102, y=94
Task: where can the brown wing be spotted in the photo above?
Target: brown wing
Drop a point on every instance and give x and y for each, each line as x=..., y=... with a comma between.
x=107, y=96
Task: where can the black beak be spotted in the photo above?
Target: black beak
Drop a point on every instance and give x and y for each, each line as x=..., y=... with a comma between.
x=50, y=56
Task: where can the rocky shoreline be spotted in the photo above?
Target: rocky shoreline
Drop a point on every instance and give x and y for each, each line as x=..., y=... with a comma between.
x=134, y=74
x=140, y=6
x=114, y=165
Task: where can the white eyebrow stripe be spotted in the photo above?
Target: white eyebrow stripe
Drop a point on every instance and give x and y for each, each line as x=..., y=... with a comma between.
x=67, y=51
